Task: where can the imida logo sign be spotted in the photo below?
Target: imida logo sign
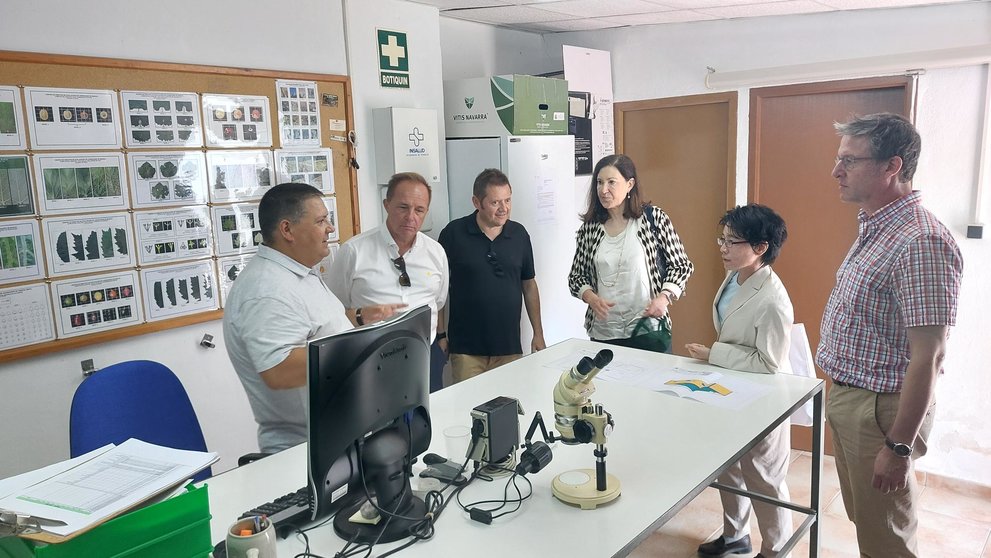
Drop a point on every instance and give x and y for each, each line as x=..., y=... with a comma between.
x=393, y=59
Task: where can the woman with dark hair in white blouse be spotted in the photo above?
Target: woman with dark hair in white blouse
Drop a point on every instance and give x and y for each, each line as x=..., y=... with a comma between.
x=629, y=262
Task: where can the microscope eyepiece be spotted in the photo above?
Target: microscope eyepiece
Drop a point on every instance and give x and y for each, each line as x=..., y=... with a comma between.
x=603, y=358
x=585, y=365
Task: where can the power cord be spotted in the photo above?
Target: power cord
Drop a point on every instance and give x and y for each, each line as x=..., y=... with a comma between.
x=486, y=515
x=423, y=528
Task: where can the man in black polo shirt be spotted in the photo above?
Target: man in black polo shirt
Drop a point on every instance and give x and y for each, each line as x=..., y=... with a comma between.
x=491, y=263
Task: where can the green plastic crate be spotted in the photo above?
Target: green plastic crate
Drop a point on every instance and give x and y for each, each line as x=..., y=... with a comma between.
x=175, y=528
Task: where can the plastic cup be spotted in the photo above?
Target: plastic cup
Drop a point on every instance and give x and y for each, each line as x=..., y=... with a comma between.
x=457, y=439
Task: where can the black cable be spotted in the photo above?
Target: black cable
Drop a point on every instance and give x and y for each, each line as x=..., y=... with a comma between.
x=486, y=514
x=422, y=529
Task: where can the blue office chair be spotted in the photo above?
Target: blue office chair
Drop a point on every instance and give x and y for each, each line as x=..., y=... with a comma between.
x=134, y=399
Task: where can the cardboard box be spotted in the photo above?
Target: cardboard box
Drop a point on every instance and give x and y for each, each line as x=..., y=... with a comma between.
x=505, y=105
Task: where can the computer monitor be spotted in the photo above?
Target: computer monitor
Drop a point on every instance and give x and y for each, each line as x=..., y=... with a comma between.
x=369, y=418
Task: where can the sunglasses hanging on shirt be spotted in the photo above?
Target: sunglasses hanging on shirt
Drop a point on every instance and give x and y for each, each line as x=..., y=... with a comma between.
x=400, y=264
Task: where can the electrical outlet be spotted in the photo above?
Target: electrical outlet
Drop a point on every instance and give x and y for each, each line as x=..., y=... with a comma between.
x=87, y=366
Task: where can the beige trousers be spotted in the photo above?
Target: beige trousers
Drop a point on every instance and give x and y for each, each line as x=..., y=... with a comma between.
x=469, y=366
x=762, y=470
x=886, y=523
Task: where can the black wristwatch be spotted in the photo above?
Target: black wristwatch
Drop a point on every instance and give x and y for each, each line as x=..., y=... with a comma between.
x=900, y=449
x=441, y=335
x=357, y=317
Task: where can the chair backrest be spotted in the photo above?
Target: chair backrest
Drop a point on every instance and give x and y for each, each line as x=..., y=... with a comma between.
x=134, y=399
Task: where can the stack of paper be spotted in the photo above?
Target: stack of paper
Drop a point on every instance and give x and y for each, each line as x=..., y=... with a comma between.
x=71, y=497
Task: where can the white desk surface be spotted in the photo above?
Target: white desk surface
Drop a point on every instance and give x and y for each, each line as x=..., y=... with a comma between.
x=664, y=450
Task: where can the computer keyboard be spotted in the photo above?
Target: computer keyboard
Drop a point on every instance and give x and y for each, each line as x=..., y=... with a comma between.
x=286, y=513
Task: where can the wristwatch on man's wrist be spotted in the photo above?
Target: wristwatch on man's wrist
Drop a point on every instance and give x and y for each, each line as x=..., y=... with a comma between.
x=357, y=317
x=900, y=449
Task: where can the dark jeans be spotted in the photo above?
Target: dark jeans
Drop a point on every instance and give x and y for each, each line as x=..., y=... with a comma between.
x=437, y=361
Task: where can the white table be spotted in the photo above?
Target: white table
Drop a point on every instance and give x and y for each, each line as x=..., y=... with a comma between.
x=664, y=450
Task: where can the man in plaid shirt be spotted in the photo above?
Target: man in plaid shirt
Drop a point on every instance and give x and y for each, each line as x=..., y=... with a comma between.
x=884, y=331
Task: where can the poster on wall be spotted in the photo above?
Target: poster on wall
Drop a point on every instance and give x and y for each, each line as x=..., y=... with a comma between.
x=161, y=118
x=236, y=121
x=85, y=244
x=97, y=303
x=15, y=187
x=236, y=229
x=72, y=118
x=27, y=316
x=178, y=290
x=590, y=102
x=163, y=178
x=169, y=236
x=11, y=121
x=227, y=271
x=19, y=257
x=311, y=166
x=239, y=175
x=74, y=183
x=299, y=115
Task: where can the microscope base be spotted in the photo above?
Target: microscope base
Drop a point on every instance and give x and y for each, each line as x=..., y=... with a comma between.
x=578, y=488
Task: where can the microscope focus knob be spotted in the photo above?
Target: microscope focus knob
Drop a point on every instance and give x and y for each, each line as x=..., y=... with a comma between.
x=584, y=431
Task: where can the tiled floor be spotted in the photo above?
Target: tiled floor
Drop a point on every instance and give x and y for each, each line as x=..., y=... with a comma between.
x=952, y=523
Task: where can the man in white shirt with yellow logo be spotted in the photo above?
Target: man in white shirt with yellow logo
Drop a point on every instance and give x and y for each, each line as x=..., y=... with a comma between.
x=394, y=267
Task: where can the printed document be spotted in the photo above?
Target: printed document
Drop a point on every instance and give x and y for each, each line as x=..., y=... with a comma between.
x=102, y=487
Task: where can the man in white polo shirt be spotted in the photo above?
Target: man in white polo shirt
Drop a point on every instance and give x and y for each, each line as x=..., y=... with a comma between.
x=394, y=267
x=276, y=305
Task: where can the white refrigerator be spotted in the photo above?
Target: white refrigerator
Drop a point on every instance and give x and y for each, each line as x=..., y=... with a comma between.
x=541, y=170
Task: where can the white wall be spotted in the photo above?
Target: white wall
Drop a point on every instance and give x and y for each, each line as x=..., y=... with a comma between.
x=951, y=103
x=35, y=393
x=235, y=33
x=670, y=60
x=421, y=25
x=474, y=50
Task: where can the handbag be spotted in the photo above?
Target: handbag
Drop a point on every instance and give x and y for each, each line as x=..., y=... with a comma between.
x=651, y=334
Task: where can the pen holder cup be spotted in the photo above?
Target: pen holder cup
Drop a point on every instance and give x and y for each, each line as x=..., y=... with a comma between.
x=258, y=542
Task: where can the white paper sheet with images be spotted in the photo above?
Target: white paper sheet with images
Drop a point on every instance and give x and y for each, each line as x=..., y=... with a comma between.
x=703, y=383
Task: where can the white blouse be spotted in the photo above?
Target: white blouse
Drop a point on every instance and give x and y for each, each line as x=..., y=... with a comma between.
x=621, y=267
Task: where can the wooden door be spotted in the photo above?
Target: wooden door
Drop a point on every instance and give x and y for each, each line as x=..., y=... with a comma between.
x=685, y=152
x=792, y=150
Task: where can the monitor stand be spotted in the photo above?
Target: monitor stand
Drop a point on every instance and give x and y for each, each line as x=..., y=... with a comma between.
x=384, y=456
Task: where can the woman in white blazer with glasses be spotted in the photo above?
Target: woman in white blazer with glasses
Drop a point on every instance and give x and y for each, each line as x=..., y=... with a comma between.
x=753, y=317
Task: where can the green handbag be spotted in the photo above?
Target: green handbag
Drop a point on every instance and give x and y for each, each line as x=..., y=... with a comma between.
x=652, y=335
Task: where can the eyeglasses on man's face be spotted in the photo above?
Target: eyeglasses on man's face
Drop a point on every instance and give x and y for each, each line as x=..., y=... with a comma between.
x=494, y=262
x=400, y=264
x=726, y=242
x=848, y=162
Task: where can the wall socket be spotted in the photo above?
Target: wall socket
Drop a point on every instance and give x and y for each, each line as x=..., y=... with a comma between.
x=88, y=367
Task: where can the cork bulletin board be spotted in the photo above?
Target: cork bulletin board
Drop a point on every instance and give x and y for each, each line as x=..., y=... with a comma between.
x=129, y=189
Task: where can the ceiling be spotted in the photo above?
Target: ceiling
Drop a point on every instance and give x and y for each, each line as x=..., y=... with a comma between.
x=555, y=16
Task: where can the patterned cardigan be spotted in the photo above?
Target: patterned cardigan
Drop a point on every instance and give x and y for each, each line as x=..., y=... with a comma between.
x=678, y=267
